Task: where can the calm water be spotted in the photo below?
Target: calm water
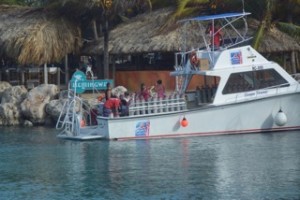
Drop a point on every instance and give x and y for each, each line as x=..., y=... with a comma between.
x=34, y=164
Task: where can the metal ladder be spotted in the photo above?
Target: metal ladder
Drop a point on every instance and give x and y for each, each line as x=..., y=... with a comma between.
x=67, y=118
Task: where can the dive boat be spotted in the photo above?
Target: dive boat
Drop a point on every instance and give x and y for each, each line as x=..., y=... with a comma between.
x=242, y=92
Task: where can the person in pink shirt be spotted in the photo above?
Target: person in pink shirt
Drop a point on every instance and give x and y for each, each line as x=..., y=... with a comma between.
x=145, y=92
x=160, y=89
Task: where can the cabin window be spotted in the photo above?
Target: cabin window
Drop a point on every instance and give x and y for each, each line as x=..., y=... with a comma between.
x=247, y=81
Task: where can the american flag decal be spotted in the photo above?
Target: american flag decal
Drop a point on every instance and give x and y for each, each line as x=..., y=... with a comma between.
x=142, y=128
x=236, y=57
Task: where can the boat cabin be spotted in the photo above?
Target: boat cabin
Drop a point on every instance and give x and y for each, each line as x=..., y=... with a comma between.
x=232, y=71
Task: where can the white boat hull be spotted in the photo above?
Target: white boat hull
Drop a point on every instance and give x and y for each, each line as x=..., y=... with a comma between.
x=244, y=117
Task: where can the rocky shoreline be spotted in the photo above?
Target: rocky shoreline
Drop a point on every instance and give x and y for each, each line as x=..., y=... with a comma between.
x=39, y=106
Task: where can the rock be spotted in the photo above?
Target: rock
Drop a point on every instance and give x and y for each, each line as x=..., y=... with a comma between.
x=10, y=110
x=54, y=108
x=3, y=86
x=63, y=94
x=33, y=107
x=15, y=94
x=27, y=123
x=49, y=121
x=10, y=114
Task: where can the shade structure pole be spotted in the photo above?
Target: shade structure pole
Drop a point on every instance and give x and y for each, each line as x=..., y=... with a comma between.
x=45, y=74
x=66, y=70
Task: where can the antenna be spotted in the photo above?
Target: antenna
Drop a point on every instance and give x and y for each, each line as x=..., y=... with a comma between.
x=243, y=5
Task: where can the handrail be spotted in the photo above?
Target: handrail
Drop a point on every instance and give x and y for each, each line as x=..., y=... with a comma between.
x=60, y=122
x=157, y=105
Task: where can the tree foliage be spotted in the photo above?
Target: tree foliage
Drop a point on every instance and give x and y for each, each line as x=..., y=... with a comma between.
x=282, y=13
x=13, y=2
x=275, y=13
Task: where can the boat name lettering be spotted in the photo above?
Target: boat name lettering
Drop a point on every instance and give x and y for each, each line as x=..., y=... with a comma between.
x=248, y=94
x=257, y=68
x=262, y=92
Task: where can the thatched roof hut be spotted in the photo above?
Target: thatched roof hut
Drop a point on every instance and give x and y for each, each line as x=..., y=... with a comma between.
x=277, y=41
x=141, y=34
x=144, y=34
x=36, y=36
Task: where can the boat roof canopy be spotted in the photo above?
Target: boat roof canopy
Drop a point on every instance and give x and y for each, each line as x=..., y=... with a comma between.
x=218, y=16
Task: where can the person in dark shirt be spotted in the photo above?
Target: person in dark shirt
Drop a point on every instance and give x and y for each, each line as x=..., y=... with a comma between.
x=125, y=102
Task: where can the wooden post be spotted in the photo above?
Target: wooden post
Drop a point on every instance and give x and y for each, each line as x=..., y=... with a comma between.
x=293, y=62
x=22, y=76
x=113, y=68
x=45, y=74
x=58, y=78
x=66, y=71
x=297, y=61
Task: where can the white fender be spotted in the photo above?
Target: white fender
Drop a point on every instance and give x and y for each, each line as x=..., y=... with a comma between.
x=280, y=118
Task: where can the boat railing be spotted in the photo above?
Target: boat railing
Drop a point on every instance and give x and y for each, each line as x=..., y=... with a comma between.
x=296, y=76
x=158, y=105
x=64, y=116
x=61, y=119
x=182, y=61
x=205, y=60
x=76, y=113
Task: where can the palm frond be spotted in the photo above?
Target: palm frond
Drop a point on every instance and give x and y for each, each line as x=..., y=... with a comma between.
x=185, y=8
x=259, y=35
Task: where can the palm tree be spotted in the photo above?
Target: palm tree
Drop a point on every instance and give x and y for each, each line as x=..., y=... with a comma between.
x=281, y=14
x=105, y=12
x=275, y=13
x=112, y=9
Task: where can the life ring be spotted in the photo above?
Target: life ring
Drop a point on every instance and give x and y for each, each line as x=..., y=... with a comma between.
x=193, y=59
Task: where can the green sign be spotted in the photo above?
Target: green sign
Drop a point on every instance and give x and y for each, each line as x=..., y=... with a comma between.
x=79, y=83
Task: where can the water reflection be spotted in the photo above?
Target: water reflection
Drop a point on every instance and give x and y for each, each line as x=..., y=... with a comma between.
x=34, y=164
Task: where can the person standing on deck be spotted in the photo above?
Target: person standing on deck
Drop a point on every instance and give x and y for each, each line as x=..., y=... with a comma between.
x=124, y=105
x=216, y=35
x=111, y=107
x=160, y=89
x=145, y=92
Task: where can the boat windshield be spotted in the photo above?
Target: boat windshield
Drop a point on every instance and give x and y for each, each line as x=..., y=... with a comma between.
x=253, y=80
